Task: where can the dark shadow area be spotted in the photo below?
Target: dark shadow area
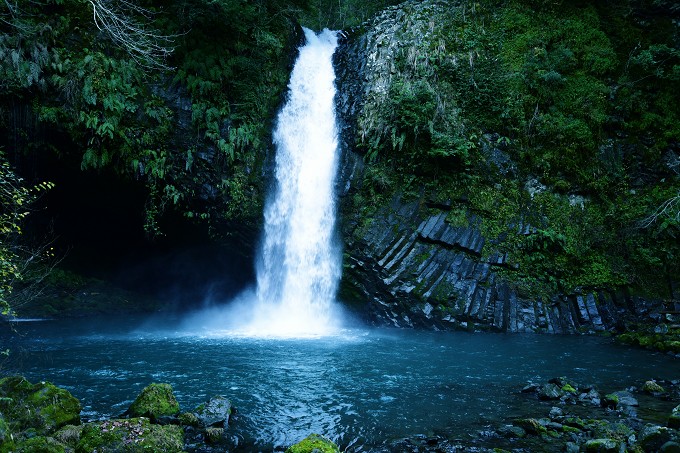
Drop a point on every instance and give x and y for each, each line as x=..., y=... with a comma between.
x=96, y=219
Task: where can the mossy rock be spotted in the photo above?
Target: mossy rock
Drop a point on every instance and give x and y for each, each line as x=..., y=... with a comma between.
x=156, y=400
x=653, y=388
x=511, y=431
x=214, y=435
x=530, y=425
x=134, y=435
x=574, y=422
x=652, y=437
x=674, y=419
x=610, y=400
x=39, y=445
x=42, y=407
x=314, y=443
x=602, y=446
x=189, y=419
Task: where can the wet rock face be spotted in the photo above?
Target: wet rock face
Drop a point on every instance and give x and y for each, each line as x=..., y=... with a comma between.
x=410, y=267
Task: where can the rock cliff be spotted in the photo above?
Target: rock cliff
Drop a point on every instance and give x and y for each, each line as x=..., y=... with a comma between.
x=417, y=260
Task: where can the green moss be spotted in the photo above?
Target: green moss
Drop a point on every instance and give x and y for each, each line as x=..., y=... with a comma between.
x=652, y=387
x=156, y=400
x=602, y=446
x=214, y=435
x=314, y=443
x=39, y=445
x=531, y=426
x=130, y=435
x=568, y=388
x=42, y=407
x=610, y=400
x=189, y=419
x=69, y=435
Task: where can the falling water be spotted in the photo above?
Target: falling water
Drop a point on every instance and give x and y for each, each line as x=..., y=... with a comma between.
x=298, y=270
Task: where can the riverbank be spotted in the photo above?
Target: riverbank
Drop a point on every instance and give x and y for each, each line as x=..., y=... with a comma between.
x=566, y=416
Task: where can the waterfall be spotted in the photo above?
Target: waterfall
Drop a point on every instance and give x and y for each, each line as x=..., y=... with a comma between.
x=299, y=265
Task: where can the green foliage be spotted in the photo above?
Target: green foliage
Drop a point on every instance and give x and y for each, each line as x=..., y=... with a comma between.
x=119, y=114
x=16, y=199
x=580, y=97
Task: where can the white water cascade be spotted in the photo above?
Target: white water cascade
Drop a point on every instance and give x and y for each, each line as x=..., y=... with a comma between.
x=299, y=267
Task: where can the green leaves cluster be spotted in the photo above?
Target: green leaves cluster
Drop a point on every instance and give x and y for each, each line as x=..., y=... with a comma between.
x=124, y=116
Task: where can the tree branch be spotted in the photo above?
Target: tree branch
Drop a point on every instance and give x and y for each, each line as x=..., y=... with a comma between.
x=146, y=47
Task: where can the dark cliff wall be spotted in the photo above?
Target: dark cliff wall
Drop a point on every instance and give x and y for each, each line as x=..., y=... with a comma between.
x=421, y=249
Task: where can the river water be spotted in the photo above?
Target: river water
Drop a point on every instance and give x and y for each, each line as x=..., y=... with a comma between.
x=359, y=388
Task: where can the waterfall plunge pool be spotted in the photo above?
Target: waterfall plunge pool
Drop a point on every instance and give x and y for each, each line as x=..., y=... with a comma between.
x=360, y=388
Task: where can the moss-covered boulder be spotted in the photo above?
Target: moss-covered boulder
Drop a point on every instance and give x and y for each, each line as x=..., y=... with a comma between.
x=39, y=445
x=530, y=425
x=156, y=400
x=134, y=435
x=674, y=419
x=652, y=388
x=653, y=437
x=314, y=443
x=214, y=435
x=41, y=408
x=603, y=446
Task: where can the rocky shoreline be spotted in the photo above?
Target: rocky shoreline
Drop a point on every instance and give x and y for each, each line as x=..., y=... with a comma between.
x=558, y=415
x=44, y=418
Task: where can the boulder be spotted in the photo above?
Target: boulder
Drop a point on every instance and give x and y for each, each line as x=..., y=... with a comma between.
x=530, y=425
x=619, y=400
x=674, y=419
x=603, y=446
x=550, y=392
x=653, y=388
x=653, y=437
x=215, y=412
x=555, y=412
x=670, y=447
x=592, y=397
x=133, y=435
x=314, y=443
x=42, y=408
x=156, y=400
x=511, y=431
x=214, y=435
x=189, y=419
